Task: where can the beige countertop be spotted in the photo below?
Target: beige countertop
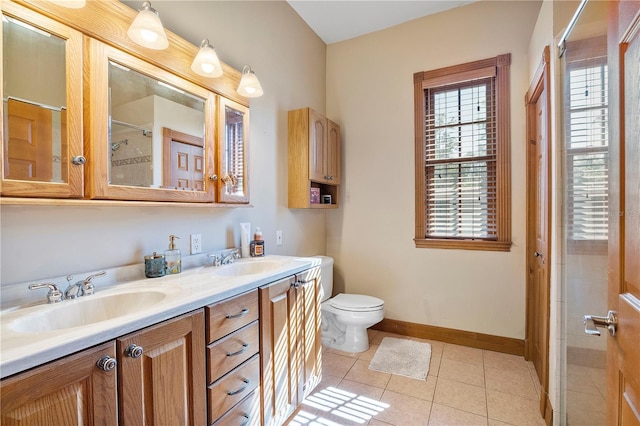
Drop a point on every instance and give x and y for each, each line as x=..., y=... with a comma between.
x=26, y=339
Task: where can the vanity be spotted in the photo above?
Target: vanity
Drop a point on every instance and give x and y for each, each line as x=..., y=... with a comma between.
x=228, y=345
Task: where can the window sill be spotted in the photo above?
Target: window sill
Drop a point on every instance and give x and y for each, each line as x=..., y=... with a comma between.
x=463, y=244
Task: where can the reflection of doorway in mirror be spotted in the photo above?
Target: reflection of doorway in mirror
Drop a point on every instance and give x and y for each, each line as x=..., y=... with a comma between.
x=183, y=165
x=30, y=155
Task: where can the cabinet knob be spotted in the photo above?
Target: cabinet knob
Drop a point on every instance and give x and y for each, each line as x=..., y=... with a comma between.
x=106, y=363
x=134, y=351
x=213, y=177
x=79, y=160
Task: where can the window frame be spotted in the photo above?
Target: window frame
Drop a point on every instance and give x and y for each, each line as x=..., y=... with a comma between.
x=459, y=74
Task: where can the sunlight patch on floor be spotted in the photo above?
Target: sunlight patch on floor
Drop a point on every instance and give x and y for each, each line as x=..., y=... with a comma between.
x=349, y=406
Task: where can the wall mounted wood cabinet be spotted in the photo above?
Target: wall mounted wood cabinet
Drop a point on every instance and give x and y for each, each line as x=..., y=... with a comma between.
x=314, y=160
x=143, y=122
x=42, y=149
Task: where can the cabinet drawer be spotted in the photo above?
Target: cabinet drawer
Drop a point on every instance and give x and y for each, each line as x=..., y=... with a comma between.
x=226, y=354
x=229, y=315
x=246, y=413
x=232, y=388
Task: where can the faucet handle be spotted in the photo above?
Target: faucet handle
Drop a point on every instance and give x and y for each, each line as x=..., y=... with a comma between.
x=216, y=259
x=54, y=295
x=87, y=285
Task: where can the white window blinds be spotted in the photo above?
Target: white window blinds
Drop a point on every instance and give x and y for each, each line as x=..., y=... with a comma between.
x=587, y=152
x=460, y=160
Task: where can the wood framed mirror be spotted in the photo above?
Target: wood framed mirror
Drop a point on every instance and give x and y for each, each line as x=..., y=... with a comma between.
x=133, y=106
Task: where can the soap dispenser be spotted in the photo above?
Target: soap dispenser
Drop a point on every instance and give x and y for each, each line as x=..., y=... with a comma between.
x=172, y=258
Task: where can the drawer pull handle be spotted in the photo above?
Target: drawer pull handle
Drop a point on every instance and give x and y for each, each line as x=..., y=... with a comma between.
x=242, y=313
x=235, y=392
x=246, y=420
x=244, y=348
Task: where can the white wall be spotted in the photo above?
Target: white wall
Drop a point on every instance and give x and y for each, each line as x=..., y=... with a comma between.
x=370, y=93
x=39, y=242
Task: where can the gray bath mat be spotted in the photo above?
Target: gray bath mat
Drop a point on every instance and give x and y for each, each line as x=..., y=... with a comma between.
x=403, y=357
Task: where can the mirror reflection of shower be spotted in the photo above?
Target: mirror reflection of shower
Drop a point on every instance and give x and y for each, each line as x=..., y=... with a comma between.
x=131, y=155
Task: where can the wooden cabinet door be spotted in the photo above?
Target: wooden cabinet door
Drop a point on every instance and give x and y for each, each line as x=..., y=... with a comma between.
x=166, y=385
x=278, y=350
x=40, y=133
x=233, y=152
x=308, y=298
x=66, y=392
x=318, y=133
x=333, y=153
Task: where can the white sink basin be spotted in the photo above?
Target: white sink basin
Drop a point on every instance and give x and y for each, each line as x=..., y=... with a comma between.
x=250, y=267
x=86, y=310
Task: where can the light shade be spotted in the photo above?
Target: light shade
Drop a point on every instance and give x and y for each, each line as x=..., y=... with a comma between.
x=249, y=85
x=71, y=4
x=206, y=62
x=147, y=30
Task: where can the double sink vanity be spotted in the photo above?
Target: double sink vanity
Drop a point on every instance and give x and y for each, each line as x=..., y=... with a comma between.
x=232, y=344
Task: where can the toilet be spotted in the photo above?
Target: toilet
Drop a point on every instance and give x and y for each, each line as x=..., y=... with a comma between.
x=346, y=317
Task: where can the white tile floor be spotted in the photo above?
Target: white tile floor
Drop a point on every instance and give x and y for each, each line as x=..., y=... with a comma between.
x=465, y=386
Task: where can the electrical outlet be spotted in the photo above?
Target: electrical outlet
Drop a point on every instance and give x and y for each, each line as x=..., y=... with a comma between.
x=196, y=243
x=278, y=237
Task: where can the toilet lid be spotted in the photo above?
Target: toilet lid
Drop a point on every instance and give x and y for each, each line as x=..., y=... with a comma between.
x=356, y=302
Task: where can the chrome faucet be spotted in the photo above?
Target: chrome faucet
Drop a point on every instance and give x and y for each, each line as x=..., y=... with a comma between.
x=216, y=259
x=230, y=256
x=81, y=288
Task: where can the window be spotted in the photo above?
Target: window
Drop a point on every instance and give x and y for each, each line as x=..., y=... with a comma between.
x=587, y=153
x=462, y=156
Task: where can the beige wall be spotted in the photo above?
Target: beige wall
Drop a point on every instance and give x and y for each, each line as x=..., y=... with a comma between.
x=370, y=93
x=289, y=59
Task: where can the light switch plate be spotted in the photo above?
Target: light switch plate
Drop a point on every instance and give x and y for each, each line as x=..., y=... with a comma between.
x=278, y=237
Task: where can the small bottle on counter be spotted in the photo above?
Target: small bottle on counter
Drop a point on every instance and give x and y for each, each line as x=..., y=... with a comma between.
x=256, y=247
x=173, y=261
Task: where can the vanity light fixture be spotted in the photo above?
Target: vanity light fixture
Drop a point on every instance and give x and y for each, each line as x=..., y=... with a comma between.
x=206, y=62
x=71, y=4
x=147, y=30
x=249, y=85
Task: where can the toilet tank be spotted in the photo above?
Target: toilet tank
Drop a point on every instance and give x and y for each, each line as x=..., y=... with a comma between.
x=326, y=276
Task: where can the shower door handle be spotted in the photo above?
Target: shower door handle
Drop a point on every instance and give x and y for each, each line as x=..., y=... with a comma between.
x=591, y=322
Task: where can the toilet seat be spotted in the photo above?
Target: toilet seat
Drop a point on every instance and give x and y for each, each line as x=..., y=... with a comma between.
x=356, y=302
